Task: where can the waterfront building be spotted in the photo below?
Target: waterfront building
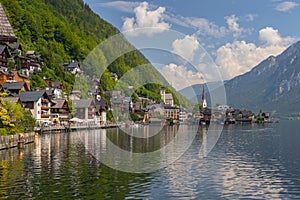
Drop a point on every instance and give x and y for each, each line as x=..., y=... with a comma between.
x=39, y=104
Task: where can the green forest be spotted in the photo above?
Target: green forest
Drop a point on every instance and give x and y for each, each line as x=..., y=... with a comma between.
x=65, y=30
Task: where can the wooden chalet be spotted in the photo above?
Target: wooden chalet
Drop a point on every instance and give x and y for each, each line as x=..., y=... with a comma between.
x=61, y=109
x=4, y=55
x=13, y=76
x=15, y=87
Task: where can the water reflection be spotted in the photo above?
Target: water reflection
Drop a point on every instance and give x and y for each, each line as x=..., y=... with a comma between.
x=252, y=162
x=123, y=151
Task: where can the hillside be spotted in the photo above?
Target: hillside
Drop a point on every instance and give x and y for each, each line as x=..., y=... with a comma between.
x=272, y=85
x=66, y=30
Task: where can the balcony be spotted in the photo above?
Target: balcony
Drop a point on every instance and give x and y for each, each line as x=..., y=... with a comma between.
x=45, y=107
x=45, y=115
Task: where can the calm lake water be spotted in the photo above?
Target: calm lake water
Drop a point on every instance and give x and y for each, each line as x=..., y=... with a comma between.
x=249, y=161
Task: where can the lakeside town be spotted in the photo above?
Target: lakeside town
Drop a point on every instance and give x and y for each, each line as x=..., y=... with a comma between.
x=53, y=107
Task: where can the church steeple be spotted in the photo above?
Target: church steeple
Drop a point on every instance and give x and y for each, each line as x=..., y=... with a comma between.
x=204, y=103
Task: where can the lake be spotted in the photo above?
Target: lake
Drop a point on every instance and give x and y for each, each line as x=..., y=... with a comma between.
x=248, y=161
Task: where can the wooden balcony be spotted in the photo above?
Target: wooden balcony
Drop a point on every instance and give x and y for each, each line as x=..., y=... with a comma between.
x=45, y=107
x=45, y=115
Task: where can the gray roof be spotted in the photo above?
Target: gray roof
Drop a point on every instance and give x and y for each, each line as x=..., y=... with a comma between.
x=82, y=103
x=6, y=32
x=72, y=64
x=32, y=95
x=14, y=85
x=59, y=103
x=15, y=46
x=2, y=48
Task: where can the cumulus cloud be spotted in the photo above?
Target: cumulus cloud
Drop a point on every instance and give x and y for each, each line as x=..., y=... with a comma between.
x=180, y=77
x=233, y=26
x=286, y=6
x=186, y=47
x=145, y=18
x=239, y=57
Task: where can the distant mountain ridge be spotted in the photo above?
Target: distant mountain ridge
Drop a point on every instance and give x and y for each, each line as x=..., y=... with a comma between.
x=273, y=85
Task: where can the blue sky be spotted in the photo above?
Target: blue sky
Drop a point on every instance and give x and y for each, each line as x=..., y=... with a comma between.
x=236, y=34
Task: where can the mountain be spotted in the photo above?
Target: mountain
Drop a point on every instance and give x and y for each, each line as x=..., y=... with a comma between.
x=272, y=85
x=65, y=30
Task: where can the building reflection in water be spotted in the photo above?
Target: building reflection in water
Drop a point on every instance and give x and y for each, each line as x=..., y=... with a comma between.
x=138, y=147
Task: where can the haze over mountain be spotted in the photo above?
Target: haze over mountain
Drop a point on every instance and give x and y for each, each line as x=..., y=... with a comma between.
x=273, y=85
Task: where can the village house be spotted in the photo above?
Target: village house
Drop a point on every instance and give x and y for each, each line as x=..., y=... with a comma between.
x=4, y=55
x=102, y=108
x=13, y=76
x=172, y=113
x=116, y=100
x=54, y=87
x=15, y=49
x=85, y=109
x=39, y=104
x=72, y=67
x=156, y=110
x=15, y=87
x=60, y=110
x=183, y=115
x=74, y=95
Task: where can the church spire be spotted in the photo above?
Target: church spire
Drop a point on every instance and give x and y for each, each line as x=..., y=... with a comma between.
x=204, y=103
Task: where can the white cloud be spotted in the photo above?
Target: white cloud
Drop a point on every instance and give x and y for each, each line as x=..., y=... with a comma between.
x=144, y=18
x=125, y=6
x=180, y=77
x=186, y=47
x=271, y=37
x=250, y=17
x=205, y=27
x=239, y=57
x=233, y=26
x=286, y=6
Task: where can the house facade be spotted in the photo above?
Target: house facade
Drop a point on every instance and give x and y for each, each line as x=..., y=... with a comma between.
x=13, y=76
x=72, y=67
x=85, y=109
x=39, y=104
x=15, y=87
x=60, y=110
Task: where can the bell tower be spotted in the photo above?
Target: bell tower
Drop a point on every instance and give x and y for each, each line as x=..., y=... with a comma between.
x=204, y=103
